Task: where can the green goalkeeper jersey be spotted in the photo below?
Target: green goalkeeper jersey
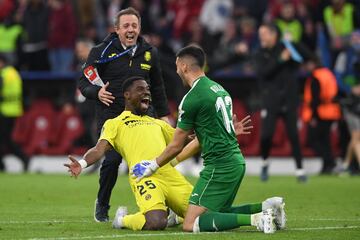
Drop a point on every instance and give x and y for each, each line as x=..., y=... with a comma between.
x=207, y=108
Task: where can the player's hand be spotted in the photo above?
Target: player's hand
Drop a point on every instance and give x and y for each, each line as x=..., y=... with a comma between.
x=74, y=167
x=143, y=169
x=285, y=55
x=104, y=96
x=243, y=126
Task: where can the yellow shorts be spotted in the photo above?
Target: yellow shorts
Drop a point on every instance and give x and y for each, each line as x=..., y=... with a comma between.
x=166, y=188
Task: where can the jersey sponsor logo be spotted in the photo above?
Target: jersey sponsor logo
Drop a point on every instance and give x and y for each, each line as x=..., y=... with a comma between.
x=134, y=123
x=194, y=195
x=217, y=88
x=145, y=66
x=147, y=56
x=147, y=196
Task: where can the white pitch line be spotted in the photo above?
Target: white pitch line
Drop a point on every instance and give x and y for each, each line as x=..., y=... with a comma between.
x=129, y=235
x=322, y=228
x=44, y=221
x=334, y=219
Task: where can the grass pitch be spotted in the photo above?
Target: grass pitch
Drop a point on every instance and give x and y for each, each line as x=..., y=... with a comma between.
x=59, y=207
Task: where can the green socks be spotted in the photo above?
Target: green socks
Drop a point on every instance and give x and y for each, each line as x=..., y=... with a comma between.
x=247, y=208
x=216, y=221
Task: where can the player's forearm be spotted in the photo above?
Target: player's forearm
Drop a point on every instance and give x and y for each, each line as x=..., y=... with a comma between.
x=171, y=151
x=93, y=155
x=189, y=150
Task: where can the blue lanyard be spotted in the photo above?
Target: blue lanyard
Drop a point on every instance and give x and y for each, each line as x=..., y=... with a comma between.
x=109, y=59
x=295, y=55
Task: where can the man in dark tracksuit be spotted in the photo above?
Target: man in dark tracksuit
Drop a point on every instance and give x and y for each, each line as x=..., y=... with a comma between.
x=121, y=55
x=278, y=76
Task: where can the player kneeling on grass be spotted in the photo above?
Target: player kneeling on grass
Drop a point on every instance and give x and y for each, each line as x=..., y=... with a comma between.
x=137, y=136
x=207, y=110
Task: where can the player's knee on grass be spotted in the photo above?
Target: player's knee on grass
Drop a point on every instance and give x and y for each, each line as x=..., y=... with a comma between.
x=188, y=226
x=155, y=220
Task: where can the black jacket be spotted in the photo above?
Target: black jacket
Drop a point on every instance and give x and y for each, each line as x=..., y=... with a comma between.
x=278, y=79
x=145, y=63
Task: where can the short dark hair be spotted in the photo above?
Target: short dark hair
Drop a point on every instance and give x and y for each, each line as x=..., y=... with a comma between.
x=129, y=82
x=195, y=52
x=126, y=11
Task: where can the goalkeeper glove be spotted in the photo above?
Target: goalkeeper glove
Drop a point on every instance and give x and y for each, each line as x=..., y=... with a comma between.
x=143, y=169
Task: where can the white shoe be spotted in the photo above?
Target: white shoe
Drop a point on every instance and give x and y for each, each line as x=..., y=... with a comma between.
x=268, y=221
x=119, y=215
x=265, y=221
x=278, y=206
x=172, y=218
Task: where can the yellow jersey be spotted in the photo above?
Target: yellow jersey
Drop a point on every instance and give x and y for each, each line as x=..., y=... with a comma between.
x=137, y=138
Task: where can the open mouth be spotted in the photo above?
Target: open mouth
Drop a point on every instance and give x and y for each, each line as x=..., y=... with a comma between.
x=145, y=102
x=130, y=37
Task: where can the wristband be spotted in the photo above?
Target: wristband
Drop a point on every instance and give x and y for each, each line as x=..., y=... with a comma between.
x=174, y=162
x=83, y=163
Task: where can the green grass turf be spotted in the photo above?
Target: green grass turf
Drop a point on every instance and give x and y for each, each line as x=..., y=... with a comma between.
x=60, y=207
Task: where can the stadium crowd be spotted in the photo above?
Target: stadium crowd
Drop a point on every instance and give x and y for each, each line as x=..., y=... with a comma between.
x=40, y=35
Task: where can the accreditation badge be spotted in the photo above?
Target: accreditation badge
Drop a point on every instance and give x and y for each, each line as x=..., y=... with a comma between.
x=147, y=56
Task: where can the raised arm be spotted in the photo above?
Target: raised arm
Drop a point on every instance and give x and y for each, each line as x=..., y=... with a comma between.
x=93, y=155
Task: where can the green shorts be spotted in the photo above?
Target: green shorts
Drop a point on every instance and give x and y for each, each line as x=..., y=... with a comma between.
x=217, y=187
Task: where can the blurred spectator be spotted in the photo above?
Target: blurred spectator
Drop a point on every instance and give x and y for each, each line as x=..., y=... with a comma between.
x=213, y=17
x=277, y=69
x=352, y=115
x=195, y=34
x=86, y=107
x=82, y=49
x=320, y=111
x=85, y=16
x=10, y=32
x=275, y=7
x=6, y=9
x=344, y=66
x=252, y=8
x=340, y=19
x=231, y=48
x=161, y=16
x=248, y=33
x=174, y=87
x=291, y=28
x=34, y=41
x=143, y=8
x=112, y=9
x=215, y=14
x=10, y=109
x=62, y=34
x=184, y=12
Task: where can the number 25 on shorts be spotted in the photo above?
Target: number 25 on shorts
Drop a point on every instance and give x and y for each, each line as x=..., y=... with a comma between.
x=143, y=187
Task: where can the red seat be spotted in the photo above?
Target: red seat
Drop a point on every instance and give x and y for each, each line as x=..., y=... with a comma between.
x=67, y=128
x=40, y=122
x=22, y=129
